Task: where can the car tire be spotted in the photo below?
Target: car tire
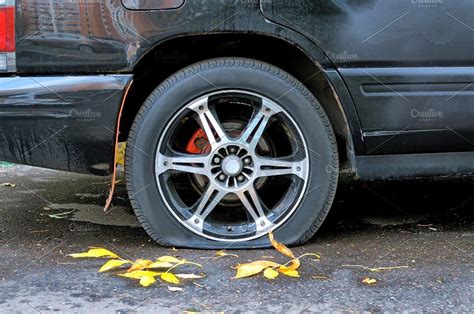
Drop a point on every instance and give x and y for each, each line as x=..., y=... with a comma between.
x=296, y=121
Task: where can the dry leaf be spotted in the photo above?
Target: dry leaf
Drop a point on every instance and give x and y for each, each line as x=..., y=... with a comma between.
x=113, y=263
x=280, y=247
x=169, y=259
x=189, y=276
x=139, y=264
x=169, y=277
x=369, y=281
x=138, y=274
x=289, y=272
x=11, y=185
x=159, y=265
x=121, y=147
x=95, y=252
x=175, y=289
x=224, y=254
x=270, y=273
x=250, y=269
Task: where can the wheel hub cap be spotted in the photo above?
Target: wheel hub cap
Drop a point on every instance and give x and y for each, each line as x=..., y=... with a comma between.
x=232, y=165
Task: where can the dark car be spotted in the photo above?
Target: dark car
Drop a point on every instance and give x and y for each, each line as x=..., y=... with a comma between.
x=239, y=116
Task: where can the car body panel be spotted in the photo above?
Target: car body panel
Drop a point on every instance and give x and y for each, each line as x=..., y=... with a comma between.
x=408, y=66
x=61, y=122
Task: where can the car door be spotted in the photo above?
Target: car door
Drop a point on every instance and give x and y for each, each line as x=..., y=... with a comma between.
x=408, y=65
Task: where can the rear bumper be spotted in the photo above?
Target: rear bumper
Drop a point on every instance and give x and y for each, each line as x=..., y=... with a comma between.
x=62, y=122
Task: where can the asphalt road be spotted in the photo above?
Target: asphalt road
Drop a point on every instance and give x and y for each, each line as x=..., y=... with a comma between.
x=425, y=226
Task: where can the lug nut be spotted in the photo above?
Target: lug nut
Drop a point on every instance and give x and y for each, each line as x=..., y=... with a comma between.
x=217, y=160
x=240, y=178
x=221, y=177
x=232, y=150
x=247, y=161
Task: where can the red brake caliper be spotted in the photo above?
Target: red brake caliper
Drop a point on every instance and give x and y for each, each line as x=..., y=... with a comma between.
x=198, y=144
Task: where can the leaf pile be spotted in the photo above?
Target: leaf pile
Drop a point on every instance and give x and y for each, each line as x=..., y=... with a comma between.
x=270, y=269
x=144, y=270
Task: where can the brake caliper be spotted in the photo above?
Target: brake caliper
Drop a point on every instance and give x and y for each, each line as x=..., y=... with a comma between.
x=198, y=144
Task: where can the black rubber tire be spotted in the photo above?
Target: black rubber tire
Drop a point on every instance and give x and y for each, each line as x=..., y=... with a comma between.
x=230, y=73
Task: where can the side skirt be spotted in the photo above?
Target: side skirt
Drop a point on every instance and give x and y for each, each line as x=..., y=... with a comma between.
x=392, y=167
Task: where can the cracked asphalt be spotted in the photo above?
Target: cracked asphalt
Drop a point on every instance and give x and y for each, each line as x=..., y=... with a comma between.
x=426, y=226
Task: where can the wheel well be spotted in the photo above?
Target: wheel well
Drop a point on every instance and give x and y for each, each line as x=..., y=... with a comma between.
x=175, y=54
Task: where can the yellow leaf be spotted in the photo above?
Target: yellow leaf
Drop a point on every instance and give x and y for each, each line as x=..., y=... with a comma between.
x=270, y=273
x=159, y=265
x=169, y=277
x=138, y=274
x=189, y=276
x=224, y=254
x=145, y=281
x=121, y=153
x=169, y=259
x=280, y=247
x=113, y=263
x=290, y=273
x=250, y=269
x=139, y=264
x=95, y=252
x=369, y=281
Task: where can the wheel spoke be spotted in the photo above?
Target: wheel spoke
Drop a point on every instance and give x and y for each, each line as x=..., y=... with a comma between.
x=253, y=205
x=195, y=164
x=206, y=205
x=209, y=122
x=267, y=167
x=257, y=124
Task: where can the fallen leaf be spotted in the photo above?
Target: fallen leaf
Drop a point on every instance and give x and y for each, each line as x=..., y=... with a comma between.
x=11, y=185
x=62, y=215
x=139, y=264
x=138, y=274
x=289, y=272
x=159, y=265
x=280, y=247
x=121, y=147
x=168, y=259
x=175, y=289
x=113, y=263
x=169, y=277
x=146, y=281
x=95, y=252
x=369, y=281
x=189, y=276
x=270, y=273
x=295, y=262
x=224, y=254
x=250, y=269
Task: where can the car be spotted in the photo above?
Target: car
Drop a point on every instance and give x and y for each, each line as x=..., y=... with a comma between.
x=240, y=117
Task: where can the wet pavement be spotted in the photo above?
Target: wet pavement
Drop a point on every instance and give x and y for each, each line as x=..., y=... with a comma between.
x=426, y=226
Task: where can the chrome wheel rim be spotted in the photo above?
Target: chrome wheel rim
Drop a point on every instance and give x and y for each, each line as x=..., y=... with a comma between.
x=237, y=161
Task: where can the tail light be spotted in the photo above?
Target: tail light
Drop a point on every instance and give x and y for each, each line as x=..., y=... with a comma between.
x=7, y=34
